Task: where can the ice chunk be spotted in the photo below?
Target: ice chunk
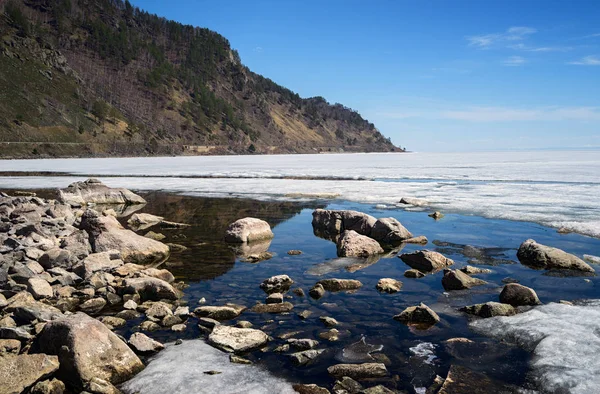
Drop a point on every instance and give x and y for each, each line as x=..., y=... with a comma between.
x=564, y=339
x=425, y=351
x=179, y=369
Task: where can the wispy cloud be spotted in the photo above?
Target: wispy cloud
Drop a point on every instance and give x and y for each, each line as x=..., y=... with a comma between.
x=590, y=36
x=522, y=47
x=587, y=61
x=258, y=49
x=486, y=41
x=515, y=61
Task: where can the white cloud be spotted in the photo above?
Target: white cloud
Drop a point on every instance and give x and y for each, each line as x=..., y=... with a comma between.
x=515, y=61
x=587, y=61
x=523, y=47
x=514, y=33
x=258, y=49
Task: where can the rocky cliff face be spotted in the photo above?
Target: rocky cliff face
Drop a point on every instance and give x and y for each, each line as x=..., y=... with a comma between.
x=98, y=78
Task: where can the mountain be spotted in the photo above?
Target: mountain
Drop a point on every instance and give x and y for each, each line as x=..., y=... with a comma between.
x=104, y=78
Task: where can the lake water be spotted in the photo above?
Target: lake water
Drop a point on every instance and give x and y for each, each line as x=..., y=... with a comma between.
x=492, y=202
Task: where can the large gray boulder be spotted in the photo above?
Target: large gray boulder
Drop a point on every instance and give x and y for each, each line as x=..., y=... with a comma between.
x=26, y=309
x=248, y=230
x=333, y=222
x=92, y=191
x=536, y=255
x=426, y=260
x=87, y=349
x=106, y=233
x=353, y=244
x=18, y=373
x=389, y=230
x=98, y=262
x=233, y=339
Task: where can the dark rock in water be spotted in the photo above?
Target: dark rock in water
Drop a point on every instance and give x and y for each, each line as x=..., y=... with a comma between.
x=518, y=295
x=510, y=280
x=348, y=385
x=418, y=315
x=458, y=280
x=340, y=284
x=413, y=273
x=19, y=372
x=310, y=389
x=461, y=380
x=358, y=371
x=389, y=231
x=329, y=223
x=305, y=357
x=212, y=372
x=536, y=255
x=273, y=308
x=477, y=255
x=358, y=352
x=294, y=252
x=426, y=260
x=317, y=291
x=353, y=244
x=248, y=230
x=277, y=284
x=490, y=309
x=274, y=298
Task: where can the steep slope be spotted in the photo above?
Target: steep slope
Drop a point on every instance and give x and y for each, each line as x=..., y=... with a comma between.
x=100, y=78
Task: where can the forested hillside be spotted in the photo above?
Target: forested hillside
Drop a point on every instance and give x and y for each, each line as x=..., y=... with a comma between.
x=101, y=78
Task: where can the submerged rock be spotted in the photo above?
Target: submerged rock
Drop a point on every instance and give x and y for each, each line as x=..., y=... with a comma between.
x=305, y=357
x=458, y=280
x=420, y=314
x=248, y=230
x=490, y=309
x=353, y=244
x=537, y=255
x=518, y=295
x=277, y=284
x=359, y=352
x=358, y=371
x=92, y=191
x=426, y=260
x=236, y=340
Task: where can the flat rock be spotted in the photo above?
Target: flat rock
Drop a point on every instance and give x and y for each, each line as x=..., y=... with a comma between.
x=92, y=191
x=518, y=295
x=470, y=270
x=310, y=389
x=236, y=340
x=353, y=244
x=458, y=280
x=490, y=309
x=340, y=284
x=358, y=371
x=420, y=240
x=248, y=230
x=426, y=260
x=536, y=255
x=19, y=372
x=225, y=312
x=273, y=308
x=143, y=344
x=305, y=357
x=142, y=221
x=388, y=285
x=417, y=202
x=39, y=288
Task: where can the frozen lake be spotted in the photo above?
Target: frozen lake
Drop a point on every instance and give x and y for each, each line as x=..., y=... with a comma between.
x=553, y=188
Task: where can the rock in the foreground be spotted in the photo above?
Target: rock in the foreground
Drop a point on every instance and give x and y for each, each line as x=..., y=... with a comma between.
x=277, y=284
x=352, y=244
x=518, y=295
x=461, y=380
x=389, y=285
x=92, y=191
x=536, y=255
x=86, y=349
x=339, y=284
x=18, y=373
x=143, y=344
x=390, y=230
x=233, y=339
x=248, y=230
x=420, y=315
x=150, y=289
x=458, y=280
x=426, y=260
x=358, y=371
x=490, y=309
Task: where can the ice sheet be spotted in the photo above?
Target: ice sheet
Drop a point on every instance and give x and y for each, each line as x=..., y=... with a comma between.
x=180, y=370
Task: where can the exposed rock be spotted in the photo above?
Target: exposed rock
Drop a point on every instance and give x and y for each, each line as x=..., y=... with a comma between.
x=294, y=252
x=358, y=371
x=243, y=324
x=420, y=314
x=417, y=202
x=389, y=285
x=303, y=343
x=277, y=284
x=149, y=326
x=305, y=314
x=299, y=292
x=142, y=221
x=490, y=309
x=15, y=333
x=347, y=385
x=93, y=306
x=340, y=284
x=437, y=215
x=53, y=386
x=39, y=288
x=182, y=311
x=159, y=310
x=518, y=295
x=333, y=222
x=150, y=289
x=143, y=344
x=536, y=255
x=26, y=309
x=171, y=320
x=413, y=273
x=305, y=357
x=328, y=321
x=92, y=191
x=12, y=346
x=106, y=233
x=236, y=340
x=389, y=230
x=248, y=230
x=226, y=312
x=101, y=386
x=112, y=322
x=131, y=304
x=272, y=308
x=426, y=260
x=274, y=298
x=461, y=380
x=470, y=270
x=317, y=291
x=77, y=244
x=257, y=257
x=310, y=389
x=353, y=244
x=331, y=335
x=156, y=237
x=84, y=345
x=420, y=240
x=17, y=373
x=98, y=262
x=458, y=280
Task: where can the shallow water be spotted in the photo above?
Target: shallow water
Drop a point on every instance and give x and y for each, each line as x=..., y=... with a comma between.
x=213, y=271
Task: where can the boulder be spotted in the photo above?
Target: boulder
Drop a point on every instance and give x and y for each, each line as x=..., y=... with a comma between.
x=277, y=284
x=92, y=191
x=53, y=386
x=490, y=309
x=142, y=221
x=274, y=298
x=248, y=230
x=77, y=243
x=332, y=222
x=340, y=284
x=536, y=255
x=236, y=340
x=25, y=309
x=389, y=230
x=86, y=349
x=328, y=321
x=273, y=308
x=305, y=357
x=143, y=344
x=19, y=372
x=426, y=260
x=106, y=233
x=12, y=346
x=358, y=371
x=226, y=312
x=309, y=389
x=389, y=285
x=353, y=244
x=357, y=221
x=159, y=310
x=518, y=295
x=97, y=262
x=420, y=314
x=458, y=280
x=150, y=289
x=93, y=305
x=39, y=288
x=317, y=291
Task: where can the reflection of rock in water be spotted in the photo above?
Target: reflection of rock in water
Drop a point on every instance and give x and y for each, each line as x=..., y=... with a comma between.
x=247, y=249
x=476, y=255
x=358, y=352
x=351, y=264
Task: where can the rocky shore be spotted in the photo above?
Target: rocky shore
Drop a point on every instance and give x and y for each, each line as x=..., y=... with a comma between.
x=71, y=273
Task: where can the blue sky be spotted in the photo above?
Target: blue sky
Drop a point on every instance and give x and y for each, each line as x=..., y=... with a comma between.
x=432, y=75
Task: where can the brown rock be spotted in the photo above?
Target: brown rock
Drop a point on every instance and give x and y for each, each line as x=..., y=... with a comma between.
x=517, y=295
